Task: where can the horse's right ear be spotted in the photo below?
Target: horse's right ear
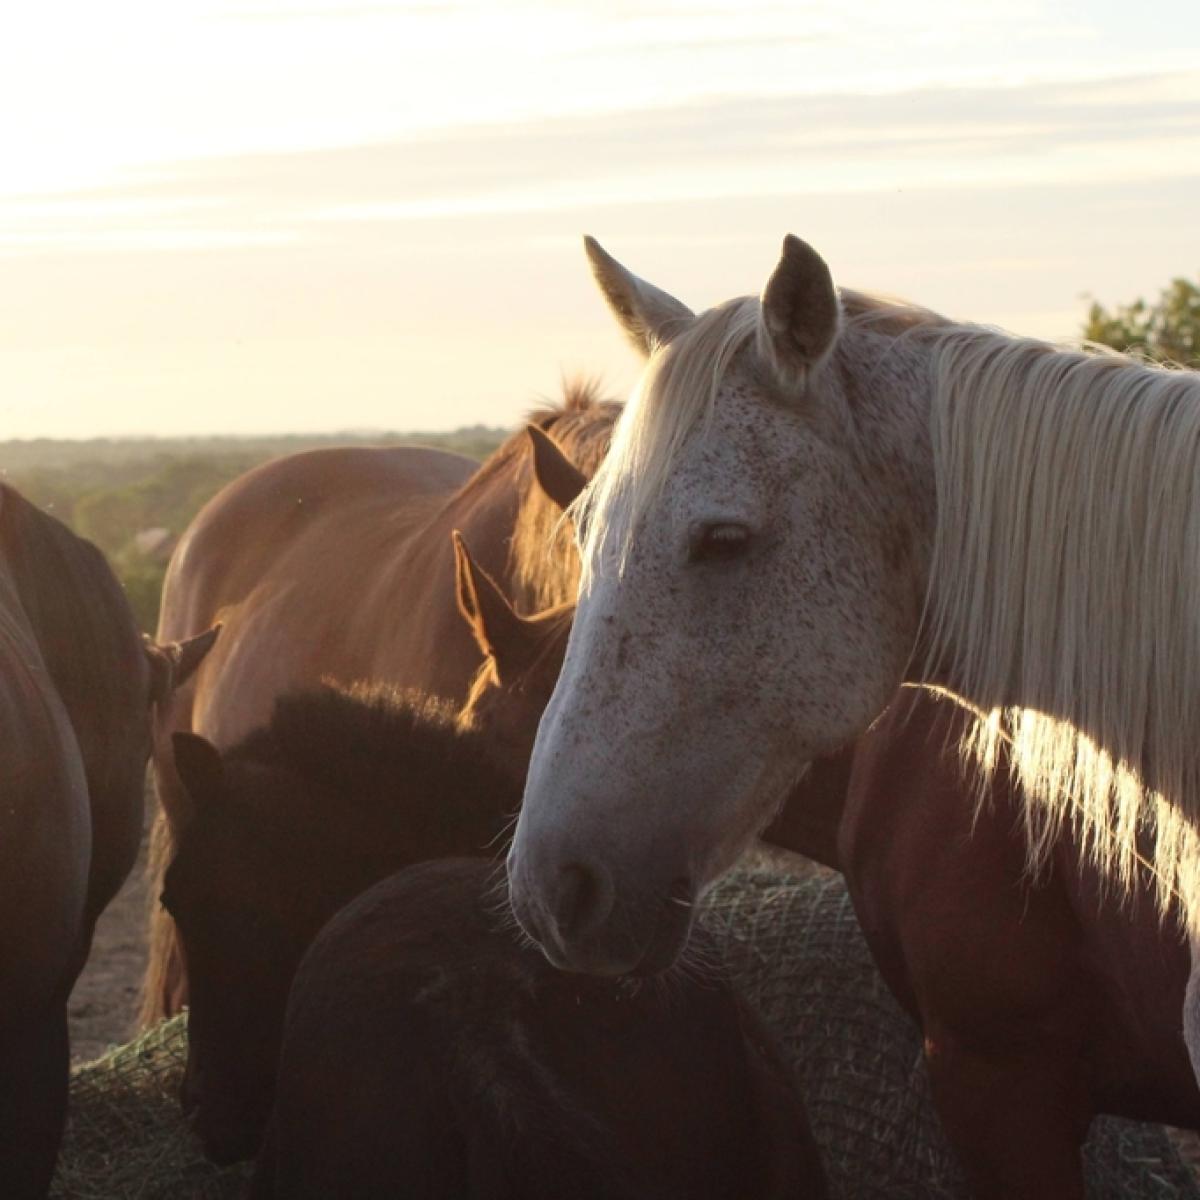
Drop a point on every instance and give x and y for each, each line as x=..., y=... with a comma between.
x=199, y=767
x=556, y=474
x=650, y=317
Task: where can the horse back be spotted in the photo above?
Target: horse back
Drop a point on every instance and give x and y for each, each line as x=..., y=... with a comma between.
x=275, y=556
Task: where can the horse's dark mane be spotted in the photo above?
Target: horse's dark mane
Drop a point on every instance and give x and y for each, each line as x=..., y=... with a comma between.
x=84, y=625
x=395, y=757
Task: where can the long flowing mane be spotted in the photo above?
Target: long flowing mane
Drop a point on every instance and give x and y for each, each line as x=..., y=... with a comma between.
x=1064, y=574
x=1065, y=567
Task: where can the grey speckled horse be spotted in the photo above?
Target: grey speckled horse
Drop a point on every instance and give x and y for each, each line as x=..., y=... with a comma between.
x=812, y=497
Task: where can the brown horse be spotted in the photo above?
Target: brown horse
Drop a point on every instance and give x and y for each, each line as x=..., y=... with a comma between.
x=77, y=683
x=1043, y=1001
x=336, y=564
x=429, y=1054
x=338, y=791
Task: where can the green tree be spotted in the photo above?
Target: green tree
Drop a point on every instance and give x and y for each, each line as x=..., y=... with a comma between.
x=1168, y=330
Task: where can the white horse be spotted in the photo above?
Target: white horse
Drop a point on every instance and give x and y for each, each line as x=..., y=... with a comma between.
x=813, y=497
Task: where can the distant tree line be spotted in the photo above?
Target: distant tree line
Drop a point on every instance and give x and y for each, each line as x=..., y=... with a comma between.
x=134, y=497
x=1167, y=330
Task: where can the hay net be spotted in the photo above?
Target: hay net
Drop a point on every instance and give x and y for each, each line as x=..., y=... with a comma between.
x=796, y=950
x=792, y=943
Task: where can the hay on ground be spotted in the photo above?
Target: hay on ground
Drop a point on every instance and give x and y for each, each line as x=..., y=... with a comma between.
x=126, y=1135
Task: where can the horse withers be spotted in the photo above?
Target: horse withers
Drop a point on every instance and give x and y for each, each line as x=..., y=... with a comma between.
x=813, y=497
x=77, y=685
x=428, y=1052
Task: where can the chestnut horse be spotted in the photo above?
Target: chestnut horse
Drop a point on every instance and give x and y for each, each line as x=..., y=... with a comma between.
x=77, y=682
x=428, y=1053
x=812, y=498
x=1044, y=999
x=336, y=564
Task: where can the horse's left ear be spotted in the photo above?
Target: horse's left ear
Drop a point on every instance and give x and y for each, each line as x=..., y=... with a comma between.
x=497, y=627
x=556, y=474
x=801, y=314
x=171, y=665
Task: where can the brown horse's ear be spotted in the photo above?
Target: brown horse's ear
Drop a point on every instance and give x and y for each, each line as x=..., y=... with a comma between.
x=499, y=631
x=650, y=317
x=801, y=313
x=171, y=665
x=199, y=767
x=556, y=474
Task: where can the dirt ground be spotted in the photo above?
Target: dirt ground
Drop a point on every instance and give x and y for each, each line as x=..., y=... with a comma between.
x=103, y=1005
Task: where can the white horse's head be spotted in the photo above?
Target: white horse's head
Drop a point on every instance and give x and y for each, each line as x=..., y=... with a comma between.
x=755, y=556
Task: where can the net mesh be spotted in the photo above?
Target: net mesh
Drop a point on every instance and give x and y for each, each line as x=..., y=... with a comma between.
x=796, y=950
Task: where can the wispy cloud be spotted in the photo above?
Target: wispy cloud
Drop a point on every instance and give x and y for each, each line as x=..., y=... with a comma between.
x=1113, y=129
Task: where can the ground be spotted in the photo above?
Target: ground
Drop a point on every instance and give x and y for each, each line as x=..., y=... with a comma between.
x=105, y=1000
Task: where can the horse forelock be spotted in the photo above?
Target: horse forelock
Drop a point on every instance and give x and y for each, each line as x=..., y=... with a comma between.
x=674, y=396
x=1065, y=566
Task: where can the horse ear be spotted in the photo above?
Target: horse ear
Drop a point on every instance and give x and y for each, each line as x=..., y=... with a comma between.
x=801, y=314
x=498, y=629
x=556, y=474
x=199, y=767
x=171, y=665
x=650, y=317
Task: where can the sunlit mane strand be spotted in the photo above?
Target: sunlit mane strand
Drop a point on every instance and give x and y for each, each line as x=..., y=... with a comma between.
x=1065, y=575
x=675, y=394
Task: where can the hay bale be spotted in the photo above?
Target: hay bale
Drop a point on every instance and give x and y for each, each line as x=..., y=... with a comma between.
x=795, y=948
x=126, y=1136
x=793, y=944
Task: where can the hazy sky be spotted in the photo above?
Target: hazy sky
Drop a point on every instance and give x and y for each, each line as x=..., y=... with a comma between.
x=220, y=217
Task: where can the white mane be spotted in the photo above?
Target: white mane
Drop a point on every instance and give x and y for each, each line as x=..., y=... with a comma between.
x=1065, y=574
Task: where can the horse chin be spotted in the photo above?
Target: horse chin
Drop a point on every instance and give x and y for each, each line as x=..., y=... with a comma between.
x=623, y=956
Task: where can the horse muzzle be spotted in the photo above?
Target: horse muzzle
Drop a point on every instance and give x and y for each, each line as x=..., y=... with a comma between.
x=585, y=924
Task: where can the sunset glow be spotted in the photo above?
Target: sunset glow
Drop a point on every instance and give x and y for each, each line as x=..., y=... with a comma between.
x=221, y=217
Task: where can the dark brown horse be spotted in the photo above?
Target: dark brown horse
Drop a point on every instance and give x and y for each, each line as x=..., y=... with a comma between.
x=77, y=683
x=337, y=564
x=1044, y=1001
x=429, y=1054
x=338, y=791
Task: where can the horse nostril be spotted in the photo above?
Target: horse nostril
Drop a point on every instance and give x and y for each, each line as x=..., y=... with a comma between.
x=583, y=899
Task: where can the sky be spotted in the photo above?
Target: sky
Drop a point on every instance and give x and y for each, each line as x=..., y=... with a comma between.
x=278, y=216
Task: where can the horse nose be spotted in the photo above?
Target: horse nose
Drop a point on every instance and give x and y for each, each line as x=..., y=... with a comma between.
x=581, y=899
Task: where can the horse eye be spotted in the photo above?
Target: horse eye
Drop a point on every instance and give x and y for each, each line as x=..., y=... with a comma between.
x=719, y=542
